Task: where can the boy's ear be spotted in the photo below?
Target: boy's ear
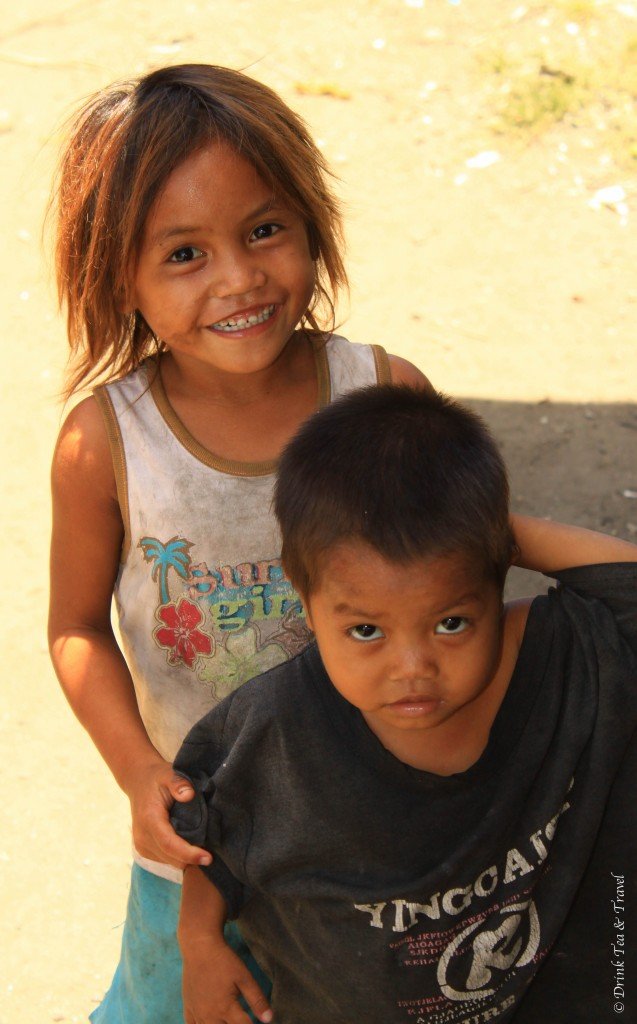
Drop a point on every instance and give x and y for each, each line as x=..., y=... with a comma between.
x=306, y=609
x=515, y=554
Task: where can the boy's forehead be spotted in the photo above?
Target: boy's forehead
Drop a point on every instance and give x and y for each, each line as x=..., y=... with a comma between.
x=352, y=570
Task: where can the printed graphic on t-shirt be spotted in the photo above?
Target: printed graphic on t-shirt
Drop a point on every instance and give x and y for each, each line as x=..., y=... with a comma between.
x=227, y=623
x=472, y=949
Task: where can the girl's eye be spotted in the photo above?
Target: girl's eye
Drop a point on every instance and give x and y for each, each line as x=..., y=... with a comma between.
x=365, y=632
x=265, y=231
x=451, y=625
x=185, y=254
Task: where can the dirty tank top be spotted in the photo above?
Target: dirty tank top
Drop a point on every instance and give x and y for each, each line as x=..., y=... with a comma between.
x=202, y=599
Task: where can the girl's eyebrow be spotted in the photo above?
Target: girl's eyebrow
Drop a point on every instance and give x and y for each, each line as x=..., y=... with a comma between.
x=161, y=237
x=165, y=236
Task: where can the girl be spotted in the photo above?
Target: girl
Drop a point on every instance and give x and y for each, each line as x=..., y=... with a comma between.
x=198, y=247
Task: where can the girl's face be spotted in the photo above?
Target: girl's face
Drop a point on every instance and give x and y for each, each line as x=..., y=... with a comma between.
x=224, y=272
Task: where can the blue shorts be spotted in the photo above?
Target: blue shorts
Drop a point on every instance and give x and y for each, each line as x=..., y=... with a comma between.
x=146, y=988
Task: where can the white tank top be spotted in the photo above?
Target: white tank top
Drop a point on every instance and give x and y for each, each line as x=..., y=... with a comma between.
x=202, y=600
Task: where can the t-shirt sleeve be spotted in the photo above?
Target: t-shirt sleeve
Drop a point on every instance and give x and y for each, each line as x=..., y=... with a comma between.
x=612, y=583
x=198, y=820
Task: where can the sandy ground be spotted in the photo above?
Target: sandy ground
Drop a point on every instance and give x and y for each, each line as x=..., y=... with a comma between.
x=502, y=282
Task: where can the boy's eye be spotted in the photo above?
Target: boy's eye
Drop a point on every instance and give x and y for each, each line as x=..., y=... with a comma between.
x=365, y=632
x=185, y=254
x=452, y=624
x=265, y=231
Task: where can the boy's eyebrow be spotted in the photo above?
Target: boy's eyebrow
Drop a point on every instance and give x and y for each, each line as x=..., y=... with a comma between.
x=469, y=598
x=269, y=206
x=343, y=608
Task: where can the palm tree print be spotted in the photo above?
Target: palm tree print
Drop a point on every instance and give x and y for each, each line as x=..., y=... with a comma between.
x=172, y=555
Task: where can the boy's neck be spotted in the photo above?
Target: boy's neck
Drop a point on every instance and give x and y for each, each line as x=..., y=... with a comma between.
x=449, y=748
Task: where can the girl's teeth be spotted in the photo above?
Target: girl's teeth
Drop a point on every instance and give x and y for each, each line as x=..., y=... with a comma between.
x=242, y=322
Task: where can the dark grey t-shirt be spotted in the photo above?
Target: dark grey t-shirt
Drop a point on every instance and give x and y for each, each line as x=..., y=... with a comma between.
x=374, y=893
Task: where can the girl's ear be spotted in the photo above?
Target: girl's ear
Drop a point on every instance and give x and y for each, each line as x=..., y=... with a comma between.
x=125, y=290
x=312, y=240
x=125, y=302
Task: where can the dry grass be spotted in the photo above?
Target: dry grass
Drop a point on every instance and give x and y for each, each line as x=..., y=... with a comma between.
x=569, y=60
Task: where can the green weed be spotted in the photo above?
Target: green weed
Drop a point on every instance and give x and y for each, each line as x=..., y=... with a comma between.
x=496, y=61
x=532, y=100
x=588, y=77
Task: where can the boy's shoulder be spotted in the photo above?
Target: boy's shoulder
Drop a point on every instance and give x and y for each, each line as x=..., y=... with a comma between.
x=599, y=592
x=611, y=583
x=588, y=605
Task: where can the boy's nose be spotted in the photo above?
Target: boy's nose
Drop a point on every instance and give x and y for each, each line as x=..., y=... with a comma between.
x=413, y=663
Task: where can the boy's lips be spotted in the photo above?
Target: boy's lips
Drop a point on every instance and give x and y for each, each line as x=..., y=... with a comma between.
x=415, y=704
x=244, y=319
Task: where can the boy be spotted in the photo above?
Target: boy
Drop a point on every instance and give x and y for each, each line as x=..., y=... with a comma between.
x=429, y=816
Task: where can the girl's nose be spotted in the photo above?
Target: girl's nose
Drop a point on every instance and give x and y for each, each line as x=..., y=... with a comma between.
x=236, y=274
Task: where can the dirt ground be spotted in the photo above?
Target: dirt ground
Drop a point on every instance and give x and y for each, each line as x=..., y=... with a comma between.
x=503, y=282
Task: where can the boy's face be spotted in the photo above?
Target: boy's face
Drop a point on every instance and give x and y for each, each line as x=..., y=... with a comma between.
x=411, y=646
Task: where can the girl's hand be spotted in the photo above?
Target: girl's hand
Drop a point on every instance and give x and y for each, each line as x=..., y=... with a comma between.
x=151, y=792
x=214, y=978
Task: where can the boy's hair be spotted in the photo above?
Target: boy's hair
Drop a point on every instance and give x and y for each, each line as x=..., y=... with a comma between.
x=409, y=472
x=124, y=143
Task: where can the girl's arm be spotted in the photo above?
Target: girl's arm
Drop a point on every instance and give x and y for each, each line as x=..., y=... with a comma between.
x=214, y=977
x=546, y=546
x=85, y=547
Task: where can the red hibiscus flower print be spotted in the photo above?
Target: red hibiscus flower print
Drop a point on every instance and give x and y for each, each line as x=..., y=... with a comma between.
x=180, y=632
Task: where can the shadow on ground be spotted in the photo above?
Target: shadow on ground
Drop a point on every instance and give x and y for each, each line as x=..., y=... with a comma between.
x=573, y=462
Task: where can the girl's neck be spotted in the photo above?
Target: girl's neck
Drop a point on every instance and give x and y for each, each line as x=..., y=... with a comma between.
x=187, y=379
x=244, y=417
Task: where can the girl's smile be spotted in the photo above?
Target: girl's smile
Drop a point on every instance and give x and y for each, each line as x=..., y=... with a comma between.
x=224, y=273
x=245, y=319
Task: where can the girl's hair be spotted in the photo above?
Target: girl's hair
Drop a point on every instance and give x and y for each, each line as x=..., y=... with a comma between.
x=410, y=473
x=124, y=143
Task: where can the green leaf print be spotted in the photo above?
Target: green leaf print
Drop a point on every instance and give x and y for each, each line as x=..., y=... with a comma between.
x=241, y=657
